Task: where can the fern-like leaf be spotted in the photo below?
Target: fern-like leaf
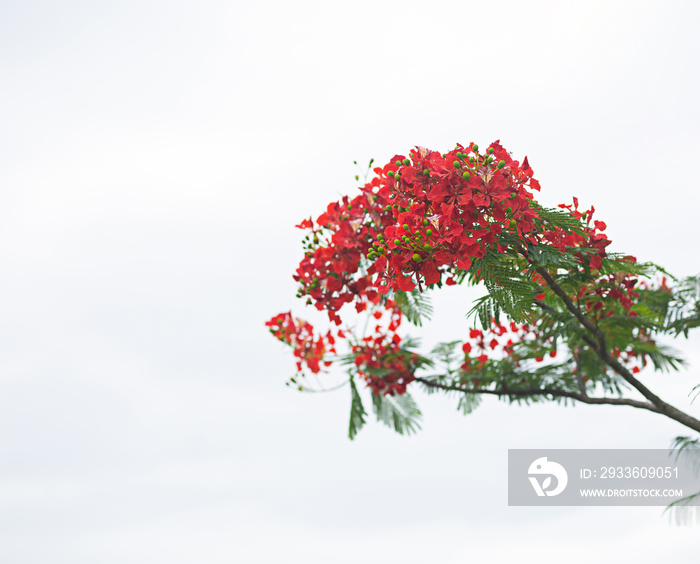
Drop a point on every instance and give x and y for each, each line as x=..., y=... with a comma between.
x=357, y=411
x=397, y=412
x=414, y=305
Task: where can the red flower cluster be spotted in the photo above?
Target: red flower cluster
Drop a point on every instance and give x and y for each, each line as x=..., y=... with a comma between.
x=381, y=361
x=329, y=274
x=601, y=297
x=498, y=342
x=592, y=238
x=420, y=221
x=447, y=209
x=310, y=349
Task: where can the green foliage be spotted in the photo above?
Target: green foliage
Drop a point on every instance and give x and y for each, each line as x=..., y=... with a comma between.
x=468, y=403
x=414, y=305
x=397, y=412
x=558, y=217
x=510, y=290
x=683, y=510
x=446, y=354
x=357, y=411
x=542, y=255
x=689, y=449
x=684, y=307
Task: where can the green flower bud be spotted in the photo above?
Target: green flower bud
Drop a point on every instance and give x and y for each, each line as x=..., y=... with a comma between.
x=426, y=247
x=426, y=223
x=460, y=155
x=397, y=242
x=406, y=162
x=513, y=223
x=426, y=172
x=490, y=151
x=475, y=147
x=390, y=173
x=416, y=257
x=457, y=164
x=429, y=232
x=398, y=163
x=465, y=175
x=501, y=164
x=513, y=194
x=404, y=227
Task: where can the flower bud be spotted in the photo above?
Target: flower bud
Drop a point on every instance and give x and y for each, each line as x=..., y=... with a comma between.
x=426, y=223
x=390, y=173
x=398, y=163
x=465, y=175
x=404, y=227
x=416, y=257
x=490, y=151
x=426, y=172
x=475, y=147
x=397, y=242
x=501, y=164
x=456, y=164
x=429, y=232
x=406, y=162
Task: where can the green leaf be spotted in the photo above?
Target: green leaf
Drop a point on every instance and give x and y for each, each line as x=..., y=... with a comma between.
x=398, y=412
x=684, y=307
x=468, y=403
x=557, y=217
x=357, y=411
x=414, y=305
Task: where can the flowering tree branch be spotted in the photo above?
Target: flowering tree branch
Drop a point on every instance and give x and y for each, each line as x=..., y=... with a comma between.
x=601, y=350
x=562, y=319
x=553, y=392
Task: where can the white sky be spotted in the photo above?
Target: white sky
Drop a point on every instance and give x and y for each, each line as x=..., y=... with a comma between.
x=155, y=157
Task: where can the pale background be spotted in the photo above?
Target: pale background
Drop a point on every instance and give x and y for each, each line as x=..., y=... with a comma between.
x=155, y=157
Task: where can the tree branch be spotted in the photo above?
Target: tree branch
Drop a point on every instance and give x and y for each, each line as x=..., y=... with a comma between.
x=601, y=349
x=554, y=392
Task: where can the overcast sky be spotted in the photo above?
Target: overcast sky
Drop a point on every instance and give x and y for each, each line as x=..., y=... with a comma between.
x=155, y=158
